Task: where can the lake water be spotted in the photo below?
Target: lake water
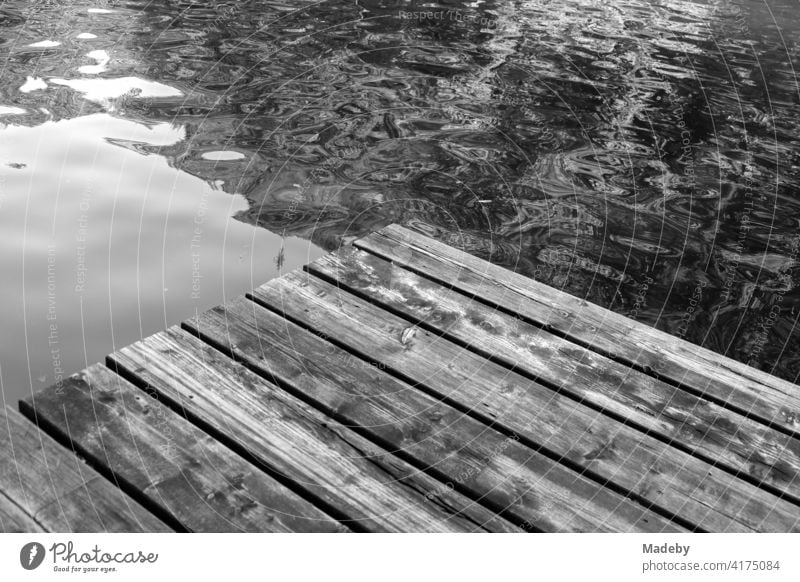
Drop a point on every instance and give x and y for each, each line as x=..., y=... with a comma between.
x=158, y=157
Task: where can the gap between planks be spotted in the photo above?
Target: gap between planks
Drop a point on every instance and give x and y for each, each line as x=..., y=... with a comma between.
x=356, y=400
x=298, y=296
x=727, y=382
x=712, y=433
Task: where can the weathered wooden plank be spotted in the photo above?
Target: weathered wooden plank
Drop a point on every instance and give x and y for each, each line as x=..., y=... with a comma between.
x=669, y=478
x=370, y=488
x=527, y=486
x=184, y=472
x=57, y=489
x=13, y=519
x=734, y=384
x=721, y=436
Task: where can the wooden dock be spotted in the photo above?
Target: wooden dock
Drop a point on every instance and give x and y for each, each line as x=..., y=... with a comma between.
x=400, y=384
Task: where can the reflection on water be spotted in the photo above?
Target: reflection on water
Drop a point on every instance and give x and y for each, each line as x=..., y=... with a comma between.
x=640, y=154
x=104, y=242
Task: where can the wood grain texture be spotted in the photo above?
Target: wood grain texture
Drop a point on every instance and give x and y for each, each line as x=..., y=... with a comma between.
x=372, y=489
x=403, y=385
x=14, y=520
x=671, y=479
x=734, y=384
x=57, y=489
x=524, y=484
x=178, y=468
x=728, y=439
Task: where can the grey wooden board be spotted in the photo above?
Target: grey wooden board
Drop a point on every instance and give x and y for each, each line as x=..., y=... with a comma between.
x=673, y=480
x=727, y=439
x=490, y=466
x=733, y=383
x=13, y=519
x=183, y=471
x=57, y=489
x=373, y=489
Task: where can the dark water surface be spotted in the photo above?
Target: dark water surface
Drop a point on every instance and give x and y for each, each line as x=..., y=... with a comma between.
x=643, y=155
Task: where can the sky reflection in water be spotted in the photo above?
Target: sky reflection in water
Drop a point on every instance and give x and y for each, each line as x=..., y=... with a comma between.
x=642, y=155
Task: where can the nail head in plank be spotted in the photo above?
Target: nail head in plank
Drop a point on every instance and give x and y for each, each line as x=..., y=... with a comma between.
x=729, y=439
x=733, y=383
x=374, y=489
x=490, y=465
x=671, y=479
